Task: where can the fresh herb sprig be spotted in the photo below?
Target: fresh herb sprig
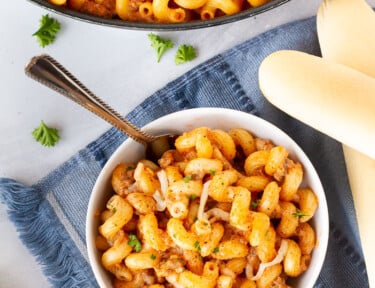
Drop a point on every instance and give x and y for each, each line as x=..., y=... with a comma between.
x=45, y=135
x=184, y=54
x=46, y=34
x=160, y=45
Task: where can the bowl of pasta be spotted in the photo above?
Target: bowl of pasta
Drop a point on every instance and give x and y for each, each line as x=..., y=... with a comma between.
x=159, y=14
x=236, y=203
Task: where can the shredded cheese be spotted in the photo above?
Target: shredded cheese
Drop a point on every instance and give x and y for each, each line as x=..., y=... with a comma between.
x=279, y=257
x=160, y=203
x=228, y=272
x=162, y=176
x=160, y=197
x=203, y=200
x=249, y=270
x=216, y=214
x=138, y=170
x=133, y=187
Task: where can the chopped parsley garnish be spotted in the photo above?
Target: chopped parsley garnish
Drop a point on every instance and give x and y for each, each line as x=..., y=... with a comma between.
x=188, y=178
x=160, y=45
x=299, y=214
x=212, y=172
x=113, y=208
x=45, y=135
x=254, y=204
x=216, y=249
x=134, y=243
x=185, y=53
x=153, y=257
x=47, y=31
x=192, y=197
x=196, y=245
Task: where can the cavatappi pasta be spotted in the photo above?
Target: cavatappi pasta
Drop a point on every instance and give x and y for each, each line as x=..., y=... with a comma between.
x=163, y=11
x=224, y=209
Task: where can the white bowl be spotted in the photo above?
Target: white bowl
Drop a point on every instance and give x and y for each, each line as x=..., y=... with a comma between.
x=131, y=151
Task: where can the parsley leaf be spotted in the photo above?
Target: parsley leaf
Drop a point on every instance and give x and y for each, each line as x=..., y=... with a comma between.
x=254, y=204
x=45, y=135
x=113, y=208
x=197, y=246
x=299, y=214
x=153, y=257
x=184, y=53
x=216, y=250
x=135, y=243
x=187, y=178
x=192, y=197
x=46, y=34
x=160, y=45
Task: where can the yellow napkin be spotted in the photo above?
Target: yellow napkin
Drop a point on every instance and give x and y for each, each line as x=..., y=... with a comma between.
x=345, y=30
x=361, y=173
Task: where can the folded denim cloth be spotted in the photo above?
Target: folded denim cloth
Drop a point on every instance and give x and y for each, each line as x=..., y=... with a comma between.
x=50, y=215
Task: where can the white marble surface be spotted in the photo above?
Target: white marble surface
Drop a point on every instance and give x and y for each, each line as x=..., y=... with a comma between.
x=118, y=65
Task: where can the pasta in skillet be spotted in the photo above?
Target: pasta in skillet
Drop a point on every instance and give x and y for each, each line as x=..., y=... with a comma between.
x=162, y=11
x=224, y=209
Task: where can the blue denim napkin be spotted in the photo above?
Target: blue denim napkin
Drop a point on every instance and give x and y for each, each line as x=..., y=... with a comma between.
x=50, y=215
